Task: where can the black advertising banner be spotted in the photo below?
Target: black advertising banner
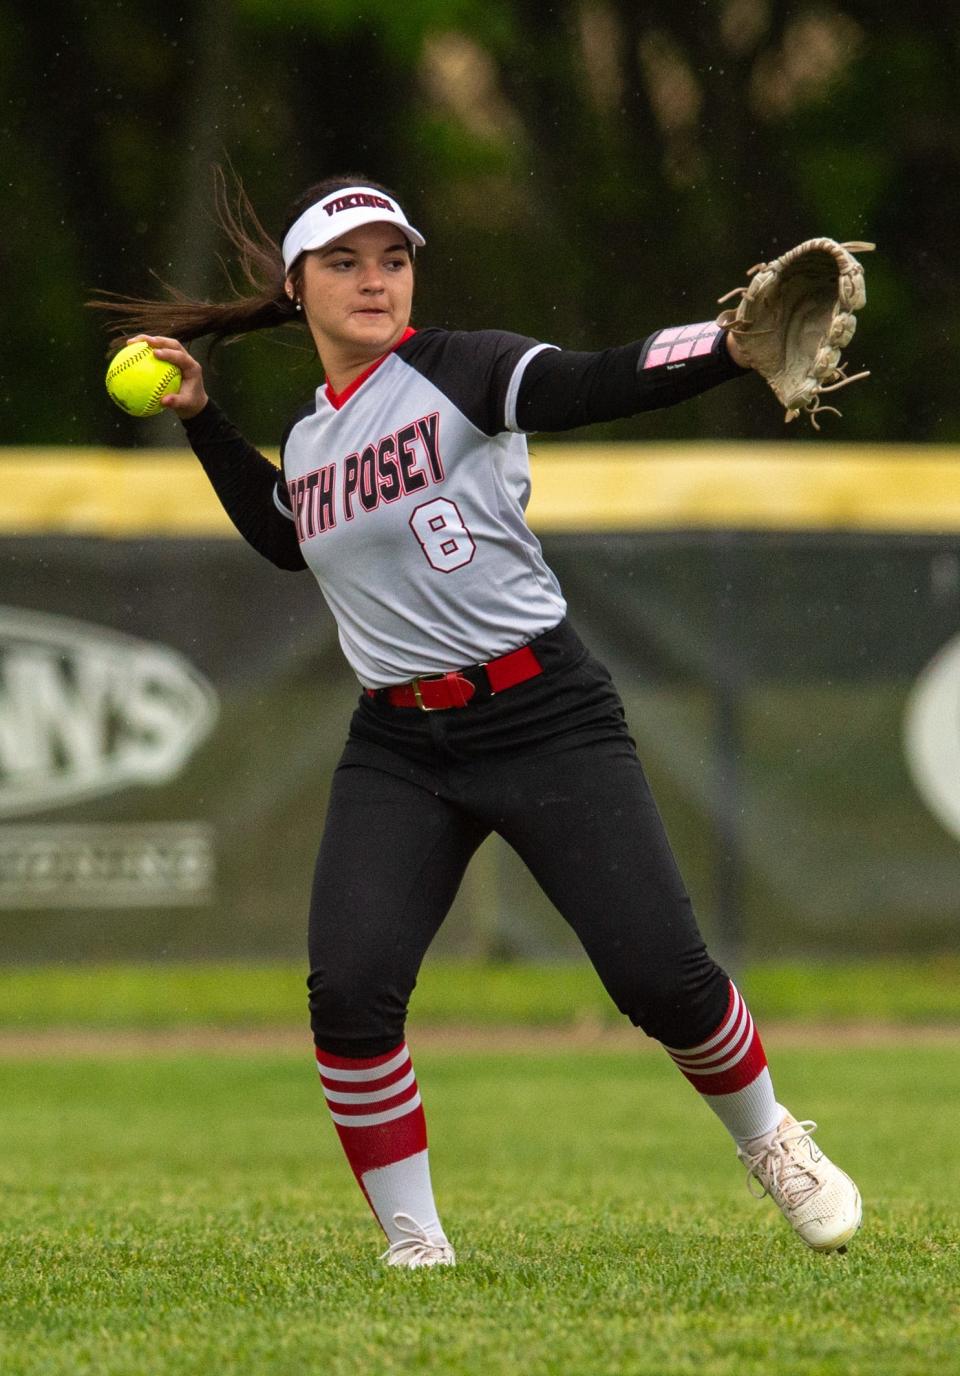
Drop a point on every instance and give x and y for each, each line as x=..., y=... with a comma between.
x=169, y=713
x=796, y=701
x=171, y=710
x=782, y=620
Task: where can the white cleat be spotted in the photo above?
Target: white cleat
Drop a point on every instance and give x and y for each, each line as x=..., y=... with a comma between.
x=418, y=1248
x=816, y=1198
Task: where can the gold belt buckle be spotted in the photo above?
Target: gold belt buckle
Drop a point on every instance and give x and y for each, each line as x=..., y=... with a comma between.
x=417, y=696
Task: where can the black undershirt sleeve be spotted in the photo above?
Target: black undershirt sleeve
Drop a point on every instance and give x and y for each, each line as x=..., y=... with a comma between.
x=245, y=481
x=562, y=389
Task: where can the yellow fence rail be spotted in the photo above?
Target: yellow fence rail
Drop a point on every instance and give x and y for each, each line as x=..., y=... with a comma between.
x=164, y=493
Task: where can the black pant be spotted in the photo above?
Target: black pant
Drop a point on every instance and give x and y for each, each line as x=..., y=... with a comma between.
x=548, y=765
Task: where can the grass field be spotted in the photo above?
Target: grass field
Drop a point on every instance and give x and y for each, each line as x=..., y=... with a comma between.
x=166, y=1214
x=454, y=992
x=192, y=1214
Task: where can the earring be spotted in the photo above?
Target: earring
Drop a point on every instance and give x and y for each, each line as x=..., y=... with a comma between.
x=299, y=306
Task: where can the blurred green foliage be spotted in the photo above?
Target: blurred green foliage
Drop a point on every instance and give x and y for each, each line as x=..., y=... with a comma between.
x=585, y=171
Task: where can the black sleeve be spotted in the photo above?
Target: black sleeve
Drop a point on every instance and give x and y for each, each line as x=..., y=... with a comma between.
x=561, y=389
x=477, y=369
x=248, y=485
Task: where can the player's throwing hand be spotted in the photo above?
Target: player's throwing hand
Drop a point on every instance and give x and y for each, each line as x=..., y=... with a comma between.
x=192, y=396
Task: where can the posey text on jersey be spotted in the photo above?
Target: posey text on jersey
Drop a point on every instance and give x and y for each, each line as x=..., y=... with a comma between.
x=396, y=465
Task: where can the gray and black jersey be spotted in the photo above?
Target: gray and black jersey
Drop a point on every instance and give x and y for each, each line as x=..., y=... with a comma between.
x=405, y=494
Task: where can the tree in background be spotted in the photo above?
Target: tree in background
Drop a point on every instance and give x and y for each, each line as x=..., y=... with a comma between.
x=586, y=171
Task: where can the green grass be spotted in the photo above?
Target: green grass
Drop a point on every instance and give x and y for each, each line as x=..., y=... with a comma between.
x=193, y=1215
x=232, y=995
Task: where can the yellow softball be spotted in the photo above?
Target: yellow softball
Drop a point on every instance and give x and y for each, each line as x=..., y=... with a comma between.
x=137, y=379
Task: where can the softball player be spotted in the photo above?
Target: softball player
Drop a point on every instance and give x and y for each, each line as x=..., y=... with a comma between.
x=403, y=488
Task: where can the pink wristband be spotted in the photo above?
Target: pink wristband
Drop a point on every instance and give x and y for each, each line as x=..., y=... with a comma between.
x=681, y=342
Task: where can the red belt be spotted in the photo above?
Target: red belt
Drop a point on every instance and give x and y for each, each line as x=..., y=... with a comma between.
x=439, y=691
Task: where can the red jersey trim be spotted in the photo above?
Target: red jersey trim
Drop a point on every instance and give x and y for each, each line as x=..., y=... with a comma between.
x=338, y=399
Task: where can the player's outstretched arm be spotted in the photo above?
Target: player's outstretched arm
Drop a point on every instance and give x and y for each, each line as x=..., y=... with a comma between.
x=192, y=397
x=735, y=351
x=562, y=388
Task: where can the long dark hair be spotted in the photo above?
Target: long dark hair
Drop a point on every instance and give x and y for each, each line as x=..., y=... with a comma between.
x=264, y=306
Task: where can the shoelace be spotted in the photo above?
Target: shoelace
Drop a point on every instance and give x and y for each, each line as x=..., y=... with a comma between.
x=416, y=1245
x=779, y=1170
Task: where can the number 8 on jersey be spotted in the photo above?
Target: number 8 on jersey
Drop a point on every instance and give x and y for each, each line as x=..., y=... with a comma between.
x=444, y=539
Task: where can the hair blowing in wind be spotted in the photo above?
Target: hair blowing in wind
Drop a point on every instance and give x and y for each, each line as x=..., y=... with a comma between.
x=260, y=303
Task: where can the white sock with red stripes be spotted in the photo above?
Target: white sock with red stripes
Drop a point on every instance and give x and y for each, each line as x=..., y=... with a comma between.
x=375, y=1106
x=729, y=1069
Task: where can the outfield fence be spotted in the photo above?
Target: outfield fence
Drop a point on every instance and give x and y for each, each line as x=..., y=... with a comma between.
x=785, y=631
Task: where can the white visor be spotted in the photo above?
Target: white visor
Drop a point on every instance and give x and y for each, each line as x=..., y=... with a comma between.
x=338, y=214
